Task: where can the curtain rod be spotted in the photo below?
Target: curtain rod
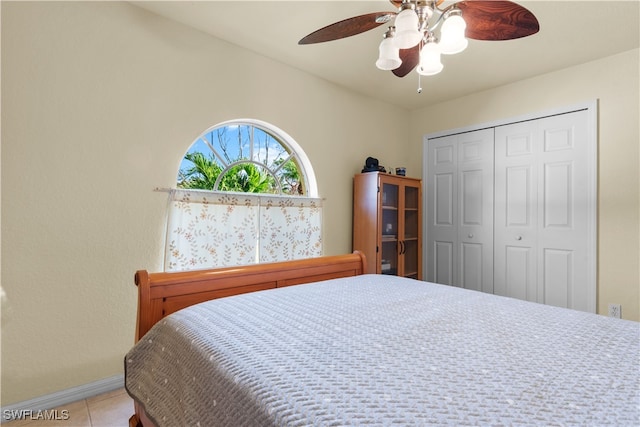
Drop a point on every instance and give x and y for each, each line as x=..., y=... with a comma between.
x=164, y=189
x=169, y=190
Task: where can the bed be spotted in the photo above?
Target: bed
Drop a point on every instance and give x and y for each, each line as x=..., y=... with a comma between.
x=241, y=347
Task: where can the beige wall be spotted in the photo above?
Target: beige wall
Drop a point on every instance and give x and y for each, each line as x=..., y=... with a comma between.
x=614, y=82
x=99, y=103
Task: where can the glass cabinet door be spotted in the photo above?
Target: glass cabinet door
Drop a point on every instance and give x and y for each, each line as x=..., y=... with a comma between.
x=409, y=244
x=389, y=251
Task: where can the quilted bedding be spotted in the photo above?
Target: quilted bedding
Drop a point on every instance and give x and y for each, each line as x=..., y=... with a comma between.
x=382, y=350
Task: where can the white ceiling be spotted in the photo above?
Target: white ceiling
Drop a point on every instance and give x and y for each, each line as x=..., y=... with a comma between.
x=571, y=32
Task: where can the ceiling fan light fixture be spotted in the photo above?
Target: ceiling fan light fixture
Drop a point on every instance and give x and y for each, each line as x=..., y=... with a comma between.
x=407, y=23
x=389, y=54
x=430, y=63
x=435, y=25
x=452, y=37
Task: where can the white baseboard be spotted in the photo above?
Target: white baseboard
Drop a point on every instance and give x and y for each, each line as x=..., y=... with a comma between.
x=63, y=397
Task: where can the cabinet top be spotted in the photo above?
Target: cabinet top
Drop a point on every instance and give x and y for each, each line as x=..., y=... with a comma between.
x=385, y=175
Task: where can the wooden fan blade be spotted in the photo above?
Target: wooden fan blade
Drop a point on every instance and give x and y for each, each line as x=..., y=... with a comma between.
x=348, y=27
x=497, y=20
x=410, y=58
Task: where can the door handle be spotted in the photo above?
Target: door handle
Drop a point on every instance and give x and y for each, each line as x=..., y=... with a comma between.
x=470, y=235
x=518, y=237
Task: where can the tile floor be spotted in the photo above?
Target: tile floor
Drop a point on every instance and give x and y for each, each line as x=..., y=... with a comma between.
x=111, y=409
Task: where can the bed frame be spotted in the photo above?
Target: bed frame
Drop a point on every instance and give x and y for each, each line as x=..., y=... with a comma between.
x=160, y=294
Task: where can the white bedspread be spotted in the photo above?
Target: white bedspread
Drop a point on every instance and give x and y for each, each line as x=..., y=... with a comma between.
x=382, y=350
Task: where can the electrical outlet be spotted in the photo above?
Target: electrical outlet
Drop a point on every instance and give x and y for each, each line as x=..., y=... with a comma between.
x=615, y=310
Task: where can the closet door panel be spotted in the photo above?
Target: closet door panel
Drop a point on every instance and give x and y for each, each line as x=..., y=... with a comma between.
x=558, y=201
x=471, y=269
x=475, y=207
x=444, y=199
x=516, y=269
x=519, y=196
x=542, y=209
x=471, y=197
x=460, y=210
x=441, y=211
x=563, y=208
x=443, y=268
x=515, y=239
x=515, y=213
x=558, y=277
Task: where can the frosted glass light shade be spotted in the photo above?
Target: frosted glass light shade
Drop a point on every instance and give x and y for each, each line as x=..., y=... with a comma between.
x=389, y=58
x=452, y=38
x=407, y=34
x=430, y=60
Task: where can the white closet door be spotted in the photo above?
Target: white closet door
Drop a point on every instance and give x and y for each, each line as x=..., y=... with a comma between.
x=516, y=213
x=475, y=210
x=460, y=210
x=541, y=211
x=441, y=197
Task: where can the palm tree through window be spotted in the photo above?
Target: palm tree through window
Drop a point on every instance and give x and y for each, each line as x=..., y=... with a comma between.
x=244, y=156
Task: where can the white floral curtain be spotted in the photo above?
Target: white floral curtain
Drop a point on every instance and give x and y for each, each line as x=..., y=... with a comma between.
x=213, y=229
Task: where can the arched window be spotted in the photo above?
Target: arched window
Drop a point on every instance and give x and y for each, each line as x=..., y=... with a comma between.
x=247, y=156
x=246, y=193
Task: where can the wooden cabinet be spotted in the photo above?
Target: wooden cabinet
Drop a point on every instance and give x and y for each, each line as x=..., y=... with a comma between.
x=387, y=223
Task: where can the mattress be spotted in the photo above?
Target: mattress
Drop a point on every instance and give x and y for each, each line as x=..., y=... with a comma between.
x=383, y=350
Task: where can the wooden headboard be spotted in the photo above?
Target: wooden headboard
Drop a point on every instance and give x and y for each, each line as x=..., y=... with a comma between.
x=160, y=294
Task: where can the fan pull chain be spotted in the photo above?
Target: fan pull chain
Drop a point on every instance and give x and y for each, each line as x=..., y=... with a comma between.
x=419, y=83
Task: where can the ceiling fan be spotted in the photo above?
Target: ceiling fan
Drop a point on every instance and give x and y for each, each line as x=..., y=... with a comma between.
x=422, y=30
